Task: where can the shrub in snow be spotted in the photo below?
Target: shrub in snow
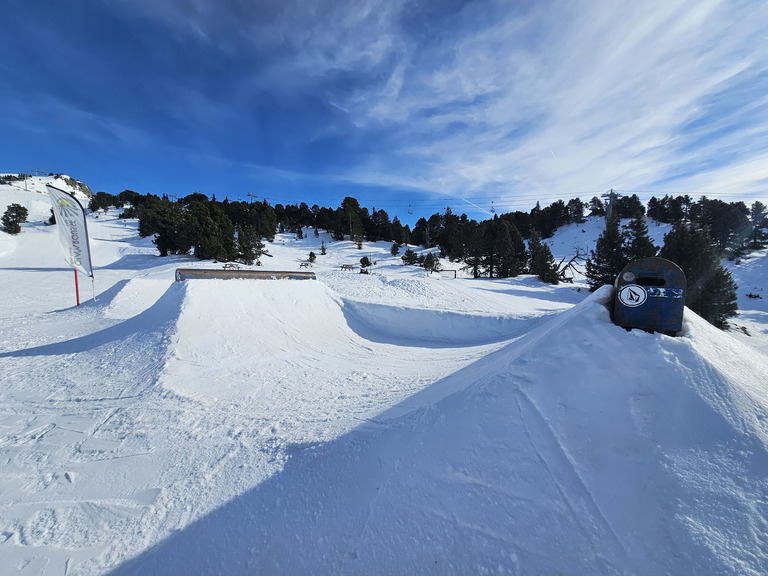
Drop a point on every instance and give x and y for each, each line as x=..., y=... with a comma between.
x=409, y=257
x=431, y=262
x=14, y=217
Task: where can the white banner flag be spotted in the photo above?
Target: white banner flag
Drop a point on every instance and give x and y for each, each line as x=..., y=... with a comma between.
x=73, y=233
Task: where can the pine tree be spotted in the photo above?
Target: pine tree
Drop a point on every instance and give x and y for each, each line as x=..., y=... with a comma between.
x=596, y=207
x=205, y=235
x=351, y=213
x=249, y=244
x=576, y=211
x=473, y=247
x=226, y=232
x=542, y=262
x=711, y=291
x=518, y=265
x=171, y=233
x=637, y=242
x=498, y=254
x=449, y=237
x=607, y=259
x=338, y=224
x=410, y=257
x=400, y=233
x=718, y=298
x=758, y=217
x=419, y=233
x=431, y=262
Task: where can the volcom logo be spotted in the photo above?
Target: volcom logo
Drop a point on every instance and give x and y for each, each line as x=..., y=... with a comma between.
x=633, y=295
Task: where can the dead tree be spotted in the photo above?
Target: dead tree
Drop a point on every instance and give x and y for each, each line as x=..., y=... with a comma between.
x=563, y=268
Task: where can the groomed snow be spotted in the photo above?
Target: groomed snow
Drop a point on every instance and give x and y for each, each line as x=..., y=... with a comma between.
x=383, y=424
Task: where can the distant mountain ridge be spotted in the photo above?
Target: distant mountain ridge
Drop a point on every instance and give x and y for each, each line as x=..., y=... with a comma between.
x=22, y=180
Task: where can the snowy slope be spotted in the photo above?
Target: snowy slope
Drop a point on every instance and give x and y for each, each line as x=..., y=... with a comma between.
x=392, y=423
x=649, y=457
x=580, y=238
x=751, y=275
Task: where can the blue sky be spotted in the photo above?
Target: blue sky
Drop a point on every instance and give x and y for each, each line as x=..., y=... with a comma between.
x=397, y=103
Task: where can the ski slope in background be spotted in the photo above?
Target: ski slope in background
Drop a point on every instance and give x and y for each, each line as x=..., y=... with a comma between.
x=392, y=423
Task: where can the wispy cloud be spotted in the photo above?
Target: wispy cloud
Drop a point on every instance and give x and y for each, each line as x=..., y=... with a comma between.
x=477, y=99
x=593, y=96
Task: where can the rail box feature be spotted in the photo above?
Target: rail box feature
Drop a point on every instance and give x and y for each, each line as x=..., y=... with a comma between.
x=650, y=295
x=229, y=273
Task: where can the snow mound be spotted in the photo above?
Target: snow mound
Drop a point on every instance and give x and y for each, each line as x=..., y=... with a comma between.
x=251, y=325
x=581, y=448
x=301, y=324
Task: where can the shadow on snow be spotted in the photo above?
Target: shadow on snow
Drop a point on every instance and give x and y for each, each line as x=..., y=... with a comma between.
x=155, y=318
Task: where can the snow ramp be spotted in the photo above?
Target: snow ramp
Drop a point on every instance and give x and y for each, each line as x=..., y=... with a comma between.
x=579, y=449
x=250, y=338
x=238, y=337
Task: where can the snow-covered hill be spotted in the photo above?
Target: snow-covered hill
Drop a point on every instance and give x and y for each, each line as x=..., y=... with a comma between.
x=396, y=422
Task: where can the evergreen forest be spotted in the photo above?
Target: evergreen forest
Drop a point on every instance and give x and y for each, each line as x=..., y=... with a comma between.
x=506, y=245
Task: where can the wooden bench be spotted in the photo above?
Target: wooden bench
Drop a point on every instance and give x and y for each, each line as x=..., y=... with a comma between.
x=231, y=266
x=304, y=264
x=347, y=267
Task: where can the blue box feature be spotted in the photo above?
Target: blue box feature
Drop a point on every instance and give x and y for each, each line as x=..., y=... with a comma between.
x=650, y=295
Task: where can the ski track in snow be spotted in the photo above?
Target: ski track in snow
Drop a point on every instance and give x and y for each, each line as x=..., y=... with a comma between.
x=396, y=422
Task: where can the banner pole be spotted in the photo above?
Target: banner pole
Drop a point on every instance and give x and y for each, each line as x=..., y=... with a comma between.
x=77, y=289
x=93, y=288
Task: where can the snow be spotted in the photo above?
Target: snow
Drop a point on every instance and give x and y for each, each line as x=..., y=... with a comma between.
x=751, y=275
x=396, y=422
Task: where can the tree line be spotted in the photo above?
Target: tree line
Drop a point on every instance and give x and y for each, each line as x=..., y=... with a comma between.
x=227, y=231
x=505, y=245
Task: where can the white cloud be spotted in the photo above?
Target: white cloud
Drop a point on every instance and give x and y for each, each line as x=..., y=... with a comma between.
x=601, y=99
x=496, y=101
